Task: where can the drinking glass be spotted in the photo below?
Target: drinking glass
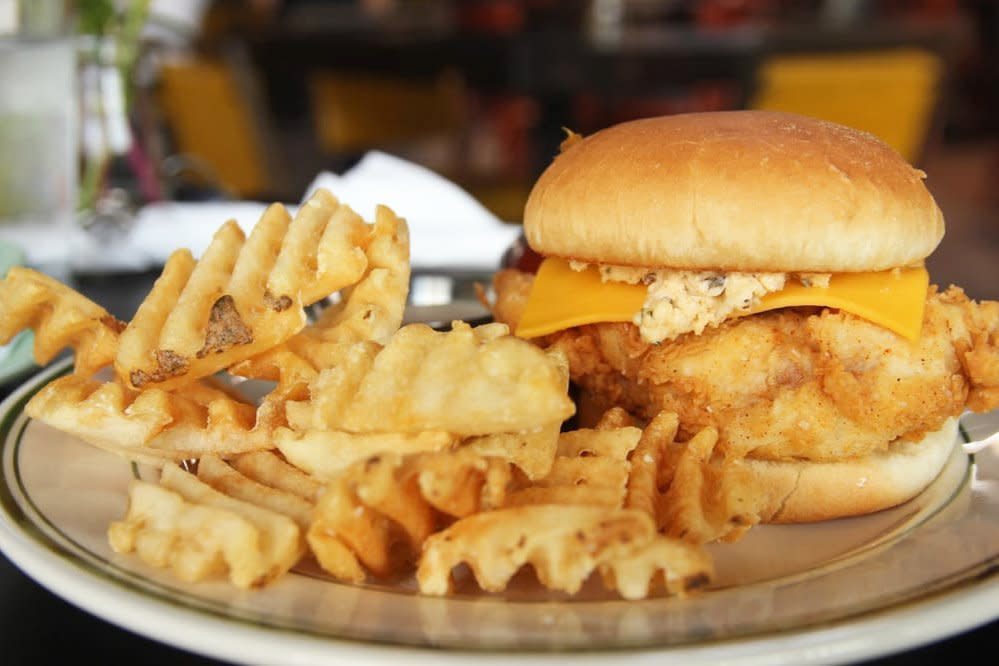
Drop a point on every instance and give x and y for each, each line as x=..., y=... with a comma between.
x=38, y=118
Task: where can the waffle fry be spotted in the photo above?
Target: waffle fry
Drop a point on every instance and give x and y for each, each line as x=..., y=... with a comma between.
x=60, y=318
x=707, y=497
x=269, y=469
x=198, y=532
x=647, y=460
x=674, y=565
x=387, y=434
x=151, y=426
x=322, y=252
x=590, y=468
x=466, y=381
x=532, y=451
x=324, y=454
x=372, y=309
x=615, y=417
x=564, y=545
x=229, y=481
x=376, y=515
x=244, y=296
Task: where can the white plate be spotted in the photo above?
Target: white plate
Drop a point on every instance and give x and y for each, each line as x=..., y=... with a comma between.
x=842, y=590
x=16, y=357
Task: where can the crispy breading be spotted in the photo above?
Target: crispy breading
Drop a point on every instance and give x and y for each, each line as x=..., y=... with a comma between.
x=511, y=289
x=975, y=331
x=803, y=383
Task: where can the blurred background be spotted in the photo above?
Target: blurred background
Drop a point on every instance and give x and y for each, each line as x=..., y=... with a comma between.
x=207, y=100
x=135, y=125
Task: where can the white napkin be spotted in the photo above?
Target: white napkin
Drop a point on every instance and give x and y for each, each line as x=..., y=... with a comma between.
x=449, y=229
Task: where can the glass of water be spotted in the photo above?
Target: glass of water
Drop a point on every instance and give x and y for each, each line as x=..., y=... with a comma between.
x=38, y=135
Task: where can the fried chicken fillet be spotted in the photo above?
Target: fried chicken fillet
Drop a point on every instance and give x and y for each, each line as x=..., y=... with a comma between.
x=794, y=384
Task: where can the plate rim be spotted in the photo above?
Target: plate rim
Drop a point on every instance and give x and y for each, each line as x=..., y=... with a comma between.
x=20, y=357
x=951, y=609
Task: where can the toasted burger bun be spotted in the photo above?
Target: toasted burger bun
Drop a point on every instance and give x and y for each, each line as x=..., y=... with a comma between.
x=852, y=487
x=734, y=191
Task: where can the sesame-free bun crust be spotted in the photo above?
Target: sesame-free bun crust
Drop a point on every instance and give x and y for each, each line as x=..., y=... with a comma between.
x=814, y=491
x=737, y=191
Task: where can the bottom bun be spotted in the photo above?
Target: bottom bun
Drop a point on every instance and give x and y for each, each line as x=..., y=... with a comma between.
x=814, y=491
x=798, y=491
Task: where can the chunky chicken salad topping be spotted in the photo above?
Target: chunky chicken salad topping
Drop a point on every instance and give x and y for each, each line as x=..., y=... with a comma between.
x=683, y=301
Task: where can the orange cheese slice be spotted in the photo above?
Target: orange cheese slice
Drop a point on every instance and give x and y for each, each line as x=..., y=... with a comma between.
x=562, y=298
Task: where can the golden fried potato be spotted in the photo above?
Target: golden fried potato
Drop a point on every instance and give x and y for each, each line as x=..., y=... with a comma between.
x=461, y=482
x=466, y=381
x=647, y=460
x=378, y=512
x=151, y=426
x=324, y=454
x=615, y=417
x=590, y=468
x=709, y=497
x=213, y=471
x=372, y=309
x=531, y=451
x=674, y=565
x=60, y=318
x=196, y=542
x=564, y=545
x=615, y=444
x=322, y=252
x=244, y=296
x=269, y=469
x=199, y=532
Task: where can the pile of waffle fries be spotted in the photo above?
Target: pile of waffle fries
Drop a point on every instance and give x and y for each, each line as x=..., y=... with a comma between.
x=381, y=451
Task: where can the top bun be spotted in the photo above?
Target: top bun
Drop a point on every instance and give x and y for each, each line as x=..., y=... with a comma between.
x=736, y=191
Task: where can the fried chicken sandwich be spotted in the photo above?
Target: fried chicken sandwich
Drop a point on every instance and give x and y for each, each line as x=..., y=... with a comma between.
x=761, y=273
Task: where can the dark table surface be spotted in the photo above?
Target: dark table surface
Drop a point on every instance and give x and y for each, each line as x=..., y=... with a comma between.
x=38, y=627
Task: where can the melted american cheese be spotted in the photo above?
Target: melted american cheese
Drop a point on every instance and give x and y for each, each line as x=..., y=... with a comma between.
x=671, y=301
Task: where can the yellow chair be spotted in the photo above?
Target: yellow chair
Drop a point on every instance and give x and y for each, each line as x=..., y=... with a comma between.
x=212, y=118
x=354, y=113
x=890, y=94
